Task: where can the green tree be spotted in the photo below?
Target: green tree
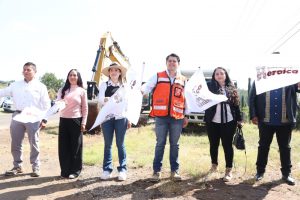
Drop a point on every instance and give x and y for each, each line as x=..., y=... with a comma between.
x=4, y=84
x=52, y=94
x=50, y=80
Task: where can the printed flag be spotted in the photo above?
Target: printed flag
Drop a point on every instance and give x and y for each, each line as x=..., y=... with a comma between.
x=270, y=78
x=198, y=97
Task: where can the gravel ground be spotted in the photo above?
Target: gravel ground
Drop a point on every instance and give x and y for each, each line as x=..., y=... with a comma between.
x=137, y=186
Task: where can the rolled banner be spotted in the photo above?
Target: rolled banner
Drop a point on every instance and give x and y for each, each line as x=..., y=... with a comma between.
x=30, y=115
x=134, y=95
x=57, y=107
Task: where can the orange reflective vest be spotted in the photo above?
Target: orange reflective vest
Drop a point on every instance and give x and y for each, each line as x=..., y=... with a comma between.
x=168, y=99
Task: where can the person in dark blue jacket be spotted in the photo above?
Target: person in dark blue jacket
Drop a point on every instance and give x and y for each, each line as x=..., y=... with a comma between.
x=274, y=112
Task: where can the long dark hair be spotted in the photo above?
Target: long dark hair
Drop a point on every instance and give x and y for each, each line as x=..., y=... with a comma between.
x=231, y=90
x=68, y=84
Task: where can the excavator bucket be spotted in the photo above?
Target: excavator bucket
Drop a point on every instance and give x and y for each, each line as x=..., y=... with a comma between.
x=93, y=112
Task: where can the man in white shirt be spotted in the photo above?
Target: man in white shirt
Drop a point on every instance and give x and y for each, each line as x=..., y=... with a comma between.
x=29, y=92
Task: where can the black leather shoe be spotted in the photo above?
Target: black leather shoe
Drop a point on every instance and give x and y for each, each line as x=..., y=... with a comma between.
x=259, y=176
x=289, y=180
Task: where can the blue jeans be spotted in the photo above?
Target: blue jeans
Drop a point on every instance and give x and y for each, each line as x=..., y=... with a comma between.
x=163, y=126
x=118, y=126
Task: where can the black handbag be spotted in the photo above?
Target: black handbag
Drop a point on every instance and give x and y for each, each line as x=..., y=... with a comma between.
x=238, y=139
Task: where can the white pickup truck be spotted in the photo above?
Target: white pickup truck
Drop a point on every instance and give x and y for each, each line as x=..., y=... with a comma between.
x=8, y=105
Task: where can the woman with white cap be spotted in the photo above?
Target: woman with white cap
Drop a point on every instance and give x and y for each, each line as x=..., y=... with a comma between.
x=118, y=123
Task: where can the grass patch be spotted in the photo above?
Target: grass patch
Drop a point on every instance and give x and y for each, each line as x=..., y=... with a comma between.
x=52, y=130
x=194, y=152
x=92, y=155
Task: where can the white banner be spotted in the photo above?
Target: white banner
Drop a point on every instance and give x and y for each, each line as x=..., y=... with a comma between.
x=33, y=114
x=30, y=115
x=129, y=96
x=198, y=97
x=114, y=106
x=270, y=78
x=57, y=107
x=134, y=95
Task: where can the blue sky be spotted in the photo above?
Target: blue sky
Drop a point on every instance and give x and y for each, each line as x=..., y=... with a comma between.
x=60, y=35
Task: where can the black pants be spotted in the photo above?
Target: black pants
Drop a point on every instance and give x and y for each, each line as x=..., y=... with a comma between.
x=224, y=132
x=283, y=135
x=70, y=146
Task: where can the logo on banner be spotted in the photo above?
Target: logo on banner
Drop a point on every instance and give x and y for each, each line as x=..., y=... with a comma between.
x=262, y=73
x=118, y=98
x=109, y=116
x=199, y=100
x=196, y=89
x=132, y=84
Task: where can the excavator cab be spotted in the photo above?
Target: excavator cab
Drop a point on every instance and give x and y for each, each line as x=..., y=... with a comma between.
x=92, y=90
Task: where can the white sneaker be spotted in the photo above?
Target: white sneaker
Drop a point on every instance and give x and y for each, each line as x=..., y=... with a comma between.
x=105, y=175
x=122, y=176
x=156, y=177
x=73, y=176
x=228, y=175
x=175, y=176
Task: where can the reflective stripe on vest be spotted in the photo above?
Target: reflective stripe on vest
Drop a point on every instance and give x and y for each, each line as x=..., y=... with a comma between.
x=160, y=107
x=179, y=81
x=162, y=79
x=178, y=110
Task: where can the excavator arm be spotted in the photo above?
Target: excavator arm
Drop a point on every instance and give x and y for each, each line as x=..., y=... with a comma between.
x=109, y=51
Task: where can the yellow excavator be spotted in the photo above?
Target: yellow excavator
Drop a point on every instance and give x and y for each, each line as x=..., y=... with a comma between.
x=109, y=51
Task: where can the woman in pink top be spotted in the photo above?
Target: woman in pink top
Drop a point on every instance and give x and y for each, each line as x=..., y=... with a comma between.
x=71, y=125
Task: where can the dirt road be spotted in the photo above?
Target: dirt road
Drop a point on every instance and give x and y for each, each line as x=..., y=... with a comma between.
x=138, y=186
x=5, y=119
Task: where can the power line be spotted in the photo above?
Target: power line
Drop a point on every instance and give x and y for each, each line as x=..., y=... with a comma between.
x=249, y=14
x=285, y=41
x=283, y=36
x=242, y=14
x=257, y=8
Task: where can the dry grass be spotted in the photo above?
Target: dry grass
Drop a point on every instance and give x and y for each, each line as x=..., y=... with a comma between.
x=194, y=152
